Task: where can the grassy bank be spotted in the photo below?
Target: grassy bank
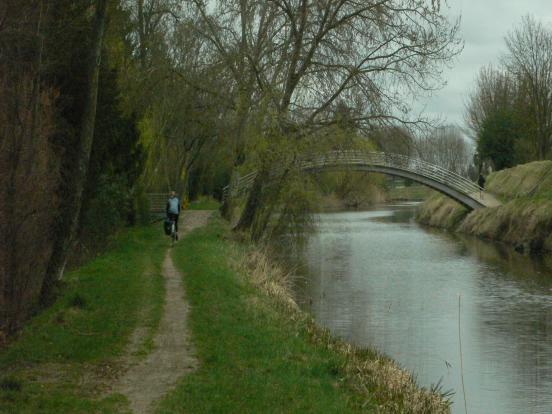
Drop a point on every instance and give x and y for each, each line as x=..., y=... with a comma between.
x=63, y=358
x=441, y=211
x=258, y=353
x=524, y=221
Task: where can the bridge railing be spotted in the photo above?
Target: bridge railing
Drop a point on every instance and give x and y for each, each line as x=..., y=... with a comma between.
x=394, y=161
x=380, y=159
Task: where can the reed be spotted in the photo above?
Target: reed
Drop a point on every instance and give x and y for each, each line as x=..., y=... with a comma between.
x=377, y=380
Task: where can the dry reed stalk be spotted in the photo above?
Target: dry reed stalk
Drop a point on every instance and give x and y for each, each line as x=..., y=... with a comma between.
x=461, y=356
x=384, y=386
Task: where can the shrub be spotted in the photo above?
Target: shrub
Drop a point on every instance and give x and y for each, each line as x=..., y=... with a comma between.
x=106, y=210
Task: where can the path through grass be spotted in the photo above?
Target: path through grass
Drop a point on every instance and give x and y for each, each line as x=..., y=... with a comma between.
x=253, y=359
x=66, y=355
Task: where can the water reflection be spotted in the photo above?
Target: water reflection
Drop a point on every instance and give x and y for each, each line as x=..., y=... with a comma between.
x=376, y=278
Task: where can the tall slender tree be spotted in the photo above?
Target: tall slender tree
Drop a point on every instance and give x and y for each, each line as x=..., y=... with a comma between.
x=72, y=203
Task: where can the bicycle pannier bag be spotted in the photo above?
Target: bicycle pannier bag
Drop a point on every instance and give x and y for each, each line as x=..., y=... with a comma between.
x=167, y=226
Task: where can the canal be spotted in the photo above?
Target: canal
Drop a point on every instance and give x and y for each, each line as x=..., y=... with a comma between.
x=445, y=307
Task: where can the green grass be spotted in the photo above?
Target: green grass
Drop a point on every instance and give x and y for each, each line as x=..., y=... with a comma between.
x=253, y=357
x=255, y=354
x=524, y=180
x=79, y=337
x=204, y=203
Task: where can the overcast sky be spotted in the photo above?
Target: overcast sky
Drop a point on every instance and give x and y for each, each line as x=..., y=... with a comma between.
x=483, y=27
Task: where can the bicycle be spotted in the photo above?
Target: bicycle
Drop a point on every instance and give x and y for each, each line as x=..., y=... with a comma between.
x=170, y=229
x=173, y=232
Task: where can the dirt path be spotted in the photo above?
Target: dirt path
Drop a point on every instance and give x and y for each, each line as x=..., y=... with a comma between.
x=147, y=381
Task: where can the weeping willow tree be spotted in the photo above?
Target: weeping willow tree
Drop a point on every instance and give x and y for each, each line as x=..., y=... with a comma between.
x=185, y=118
x=172, y=150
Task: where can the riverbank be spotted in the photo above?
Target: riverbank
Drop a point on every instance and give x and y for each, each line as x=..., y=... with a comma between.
x=256, y=351
x=371, y=195
x=446, y=306
x=374, y=195
x=524, y=220
x=259, y=353
x=66, y=357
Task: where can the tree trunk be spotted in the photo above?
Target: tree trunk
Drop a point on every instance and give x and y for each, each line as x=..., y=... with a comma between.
x=227, y=206
x=141, y=34
x=253, y=203
x=70, y=210
x=22, y=137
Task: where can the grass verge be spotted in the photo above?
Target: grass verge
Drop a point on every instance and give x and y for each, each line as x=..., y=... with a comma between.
x=204, y=203
x=63, y=358
x=259, y=354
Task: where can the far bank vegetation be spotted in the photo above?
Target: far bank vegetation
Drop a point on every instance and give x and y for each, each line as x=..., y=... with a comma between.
x=523, y=221
x=509, y=112
x=509, y=116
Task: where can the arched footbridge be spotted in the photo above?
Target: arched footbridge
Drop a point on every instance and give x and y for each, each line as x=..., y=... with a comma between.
x=455, y=186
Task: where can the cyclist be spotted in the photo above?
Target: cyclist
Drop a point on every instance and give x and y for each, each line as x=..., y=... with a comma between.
x=173, y=210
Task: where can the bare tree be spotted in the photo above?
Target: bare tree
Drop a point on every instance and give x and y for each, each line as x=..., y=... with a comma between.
x=152, y=21
x=529, y=59
x=72, y=204
x=495, y=90
x=394, y=139
x=302, y=57
x=446, y=146
x=373, y=55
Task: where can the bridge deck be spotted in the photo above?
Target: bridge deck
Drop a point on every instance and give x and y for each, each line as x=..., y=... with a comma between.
x=486, y=199
x=447, y=182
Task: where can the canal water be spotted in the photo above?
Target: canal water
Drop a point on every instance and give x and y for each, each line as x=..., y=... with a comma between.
x=434, y=301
